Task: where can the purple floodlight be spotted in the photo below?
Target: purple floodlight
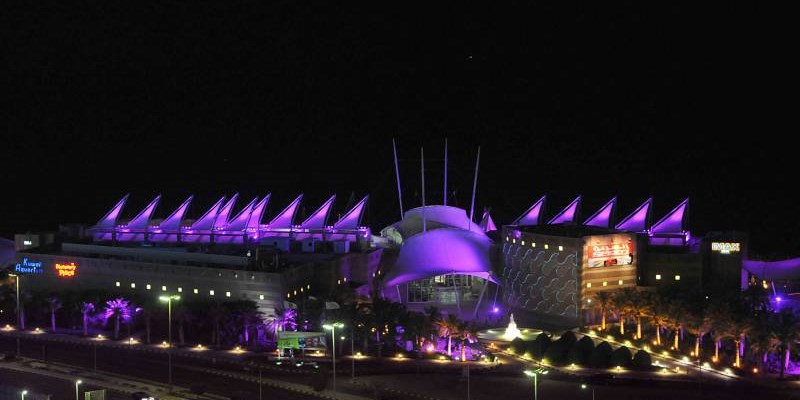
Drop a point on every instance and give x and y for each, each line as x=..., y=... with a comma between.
x=254, y=223
x=637, y=220
x=531, y=216
x=110, y=219
x=318, y=218
x=285, y=218
x=352, y=218
x=778, y=299
x=239, y=222
x=221, y=222
x=602, y=218
x=673, y=221
x=567, y=215
x=206, y=222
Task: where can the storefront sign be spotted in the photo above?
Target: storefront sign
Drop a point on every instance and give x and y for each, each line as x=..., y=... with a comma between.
x=29, y=267
x=725, y=247
x=66, y=270
x=610, y=253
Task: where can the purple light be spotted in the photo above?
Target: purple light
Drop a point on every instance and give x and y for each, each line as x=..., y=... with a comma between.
x=637, y=220
x=568, y=213
x=531, y=215
x=602, y=218
x=673, y=221
x=778, y=299
x=495, y=310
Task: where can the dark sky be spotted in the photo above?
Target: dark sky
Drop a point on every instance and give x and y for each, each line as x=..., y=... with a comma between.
x=179, y=97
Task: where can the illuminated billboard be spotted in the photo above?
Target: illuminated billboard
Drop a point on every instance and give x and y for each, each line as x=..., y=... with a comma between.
x=66, y=270
x=28, y=267
x=605, y=251
x=725, y=247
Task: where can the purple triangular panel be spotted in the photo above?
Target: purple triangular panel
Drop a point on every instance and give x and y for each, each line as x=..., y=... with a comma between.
x=637, y=220
x=318, y=218
x=258, y=212
x=531, y=217
x=673, y=221
x=567, y=215
x=110, y=219
x=142, y=220
x=206, y=222
x=173, y=222
x=352, y=218
x=602, y=218
x=487, y=223
x=285, y=218
x=239, y=222
x=222, y=218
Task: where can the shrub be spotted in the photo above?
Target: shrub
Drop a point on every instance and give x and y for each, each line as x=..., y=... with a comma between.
x=621, y=357
x=642, y=360
x=539, y=346
x=518, y=346
x=568, y=338
x=601, y=356
x=579, y=354
x=556, y=353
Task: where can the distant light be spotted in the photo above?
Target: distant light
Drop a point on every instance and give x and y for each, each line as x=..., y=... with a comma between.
x=658, y=277
x=677, y=277
x=778, y=299
x=163, y=288
x=495, y=310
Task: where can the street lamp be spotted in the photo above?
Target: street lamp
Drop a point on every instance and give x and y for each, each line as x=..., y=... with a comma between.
x=332, y=327
x=584, y=386
x=77, y=393
x=535, y=374
x=22, y=394
x=20, y=323
x=169, y=299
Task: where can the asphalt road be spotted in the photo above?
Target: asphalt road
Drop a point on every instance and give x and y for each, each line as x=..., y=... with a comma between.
x=153, y=366
x=39, y=384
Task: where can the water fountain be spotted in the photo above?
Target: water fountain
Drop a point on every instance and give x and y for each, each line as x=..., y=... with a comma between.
x=508, y=334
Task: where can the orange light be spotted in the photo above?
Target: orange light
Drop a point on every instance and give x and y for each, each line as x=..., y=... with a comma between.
x=66, y=270
x=755, y=370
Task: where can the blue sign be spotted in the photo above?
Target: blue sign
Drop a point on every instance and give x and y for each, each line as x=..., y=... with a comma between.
x=29, y=267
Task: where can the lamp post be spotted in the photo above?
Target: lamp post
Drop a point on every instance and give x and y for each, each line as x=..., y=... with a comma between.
x=77, y=393
x=332, y=327
x=535, y=374
x=352, y=353
x=169, y=299
x=22, y=394
x=584, y=386
x=20, y=324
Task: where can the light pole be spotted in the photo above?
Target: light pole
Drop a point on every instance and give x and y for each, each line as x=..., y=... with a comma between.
x=22, y=394
x=77, y=393
x=535, y=374
x=20, y=324
x=332, y=327
x=169, y=299
x=352, y=353
x=584, y=386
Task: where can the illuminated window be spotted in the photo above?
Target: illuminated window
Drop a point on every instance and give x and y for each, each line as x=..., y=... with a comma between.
x=605, y=283
x=507, y=238
x=117, y=284
x=196, y=291
x=133, y=286
x=513, y=240
x=546, y=246
x=560, y=248
x=533, y=244
x=338, y=281
x=227, y=294
x=180, y=290
x=677, y=277
x=261, y=297
x=588, y=285
x=288, y=295
x=163, y=288
x=620, y=281
x=309, y=286
x=148, y=286
x=658, y=277
x=522, y=243
x=211, y=292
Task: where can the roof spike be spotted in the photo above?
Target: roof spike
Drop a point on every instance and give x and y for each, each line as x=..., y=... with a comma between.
x=568, y=214
x=239, y=222
x=110, y=219
x=638, y=219
x=673, y=222
x=221, y=222
x=258, y=212
x=285, y=218
x=319, y=217
x=531, y=215
x=173, y=221
x=206, y=222
x=602, y=217
x=142, y=220
x=487, y=224
x=352, y=218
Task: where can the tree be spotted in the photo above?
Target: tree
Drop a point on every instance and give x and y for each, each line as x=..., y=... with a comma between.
x=621, y=357
x=601, y=355
x=603, y=301
x=642, y=360
x=676, y=311
x=119, y=310
x=467, y=335
x=622, y=303
x=659, y=313
x=86, y=309
x=638, y=307
x=182, y=316
x=216, y=313
x=784, y=326
x=736, y=328
x=447, y=328
x=284, y=319
x=696, y=324
x=54, y=304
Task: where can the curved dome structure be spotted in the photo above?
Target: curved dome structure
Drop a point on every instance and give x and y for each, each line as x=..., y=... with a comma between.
x=435, y=217
x=440, y=252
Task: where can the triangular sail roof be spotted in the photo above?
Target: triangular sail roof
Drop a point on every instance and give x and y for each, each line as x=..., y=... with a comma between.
x=673, y=221
x=222, y=218
x=531, y=216
x=568, y=214
x=110, y=219
x=318, y=218
x=258, y=212
x=602, y=218
x=174, y=220
x=487, y=224
x=637, y=220
x=206, y=222
x=352, y=218
x=142, y=220
x=285, y=218
x=239, y=222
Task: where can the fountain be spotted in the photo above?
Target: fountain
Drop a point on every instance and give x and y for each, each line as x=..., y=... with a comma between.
x=508, y=334
x=512, y=332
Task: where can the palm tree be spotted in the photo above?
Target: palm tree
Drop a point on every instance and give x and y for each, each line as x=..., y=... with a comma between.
x=736, y=328
x=216, y=313
x=119, y=309
x=467, y=335
x=784, y=331
x=658, y=312
x=182, y=316
x=284, y=319
x=249, y=319
x=622, y=301
x=448, y=328
x=676, y=311
x=604, y=302
x=86, y=309
x=638, y=307
x=54, y=304
x=696, y=324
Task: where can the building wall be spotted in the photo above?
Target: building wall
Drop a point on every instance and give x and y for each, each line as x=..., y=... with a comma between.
x=679, y=268
x=541, y=274
x=133, y=276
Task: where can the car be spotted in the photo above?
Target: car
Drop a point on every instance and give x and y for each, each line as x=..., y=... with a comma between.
x=142, y=396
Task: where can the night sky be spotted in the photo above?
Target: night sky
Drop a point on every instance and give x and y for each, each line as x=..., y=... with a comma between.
x=212, y=98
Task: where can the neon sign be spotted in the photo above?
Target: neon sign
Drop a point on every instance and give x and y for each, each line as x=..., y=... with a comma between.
x=725, y=247
x=66, y=270
x=29, y=267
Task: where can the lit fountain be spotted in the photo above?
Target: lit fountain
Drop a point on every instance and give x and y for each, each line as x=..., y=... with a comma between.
x=508, y=334
x=512, y=332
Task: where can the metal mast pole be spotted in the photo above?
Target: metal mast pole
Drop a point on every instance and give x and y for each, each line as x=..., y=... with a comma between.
x=475, y=185
x=397, y=174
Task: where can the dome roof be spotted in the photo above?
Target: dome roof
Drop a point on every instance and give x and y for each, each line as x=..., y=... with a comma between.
x=436, y=217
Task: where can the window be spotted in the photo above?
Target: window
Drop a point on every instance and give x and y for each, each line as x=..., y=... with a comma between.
x=261, y=297
x=547, y=246
x=116, y=283
x=533, y=244
x=658, y=277
x=148, y=286
x=133, y=286
x=180, y=290
x=196, y=291
x=514, y=241
x=605, y=283
x=211, y=292
x=620, y=281
x=560, y=248
x=227, y=294
x=677, y=277
x=588, y=285
x=163, y=288
x=522, y=243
